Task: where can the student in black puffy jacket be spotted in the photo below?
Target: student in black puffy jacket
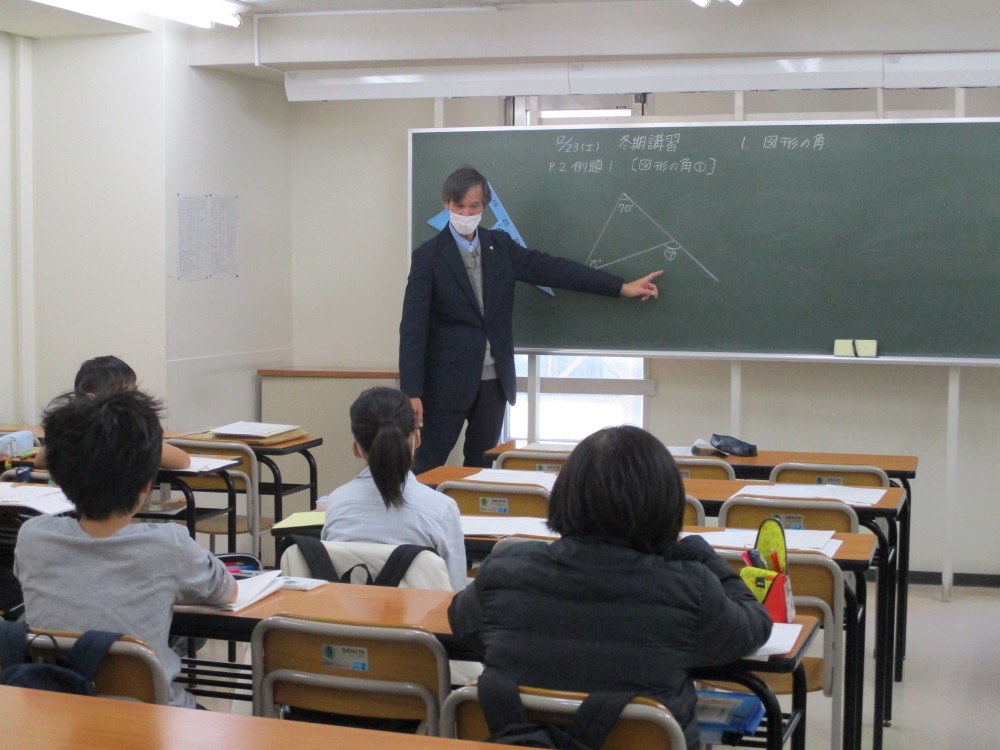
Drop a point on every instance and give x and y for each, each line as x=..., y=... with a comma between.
x=618, y=603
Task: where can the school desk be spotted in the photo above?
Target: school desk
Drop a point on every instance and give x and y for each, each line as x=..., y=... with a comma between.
x=380, y=605
x=42, y=720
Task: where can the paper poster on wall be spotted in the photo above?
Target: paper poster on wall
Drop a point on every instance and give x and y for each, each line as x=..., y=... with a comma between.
x=208, y=236
x=192, y=217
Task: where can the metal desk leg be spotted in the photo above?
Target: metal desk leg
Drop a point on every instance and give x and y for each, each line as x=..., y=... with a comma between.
x=902, y=590
x=854, y=661
x=883, y=644
x=190, y=518
x=799, y=708
x=231, y=512
x=313, y=479
x=278, y=488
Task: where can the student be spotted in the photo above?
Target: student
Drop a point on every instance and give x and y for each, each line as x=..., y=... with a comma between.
x=385, y=503
x=108, y=373
x=617, y=603
x=456, y=345
x=103, y=571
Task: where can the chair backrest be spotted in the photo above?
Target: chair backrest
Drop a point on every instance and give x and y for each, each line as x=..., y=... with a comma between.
x=485, y=499
x=704, y=468
x=643, y=723
x=246, y=468
x=427, y=571
x=694, y=511
x=524, y=460
x=129, y=670
x=745, y=512
x=358, y=670
x=851, y=476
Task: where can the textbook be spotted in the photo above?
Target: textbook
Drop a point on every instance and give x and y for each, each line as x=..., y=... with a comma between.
x=250, y=591
x=259, y=433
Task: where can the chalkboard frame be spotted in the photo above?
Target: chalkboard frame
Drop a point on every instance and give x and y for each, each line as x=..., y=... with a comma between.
x=417, y=233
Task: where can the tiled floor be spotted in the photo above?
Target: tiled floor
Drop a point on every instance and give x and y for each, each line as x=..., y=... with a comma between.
x=950, y=696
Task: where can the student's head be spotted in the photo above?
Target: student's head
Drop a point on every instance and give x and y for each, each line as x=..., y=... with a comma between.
x=458, y=185
x=104, y=373
x=103, y=450
x=620, y=485
x=383, y=423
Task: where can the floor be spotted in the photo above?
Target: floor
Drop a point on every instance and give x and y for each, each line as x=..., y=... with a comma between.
x=950, y=695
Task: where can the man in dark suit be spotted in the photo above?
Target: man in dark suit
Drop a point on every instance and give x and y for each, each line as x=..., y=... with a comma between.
x=456, y=348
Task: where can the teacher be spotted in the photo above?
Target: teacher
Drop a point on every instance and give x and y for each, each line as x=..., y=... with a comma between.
x=456, y=347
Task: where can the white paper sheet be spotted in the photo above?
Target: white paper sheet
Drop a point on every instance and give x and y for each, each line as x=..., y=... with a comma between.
x=253, y=429
x=563, y=448
x=204, y=464
x=849, y=495
x=505, y=526
x=45, y=498
x=783, y=637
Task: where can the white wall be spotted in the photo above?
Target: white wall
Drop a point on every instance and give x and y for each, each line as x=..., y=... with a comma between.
x=8, y=305
x=98, y=206
x=226, y=136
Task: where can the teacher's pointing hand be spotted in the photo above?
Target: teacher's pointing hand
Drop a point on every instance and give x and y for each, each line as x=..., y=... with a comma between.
x=644, y=287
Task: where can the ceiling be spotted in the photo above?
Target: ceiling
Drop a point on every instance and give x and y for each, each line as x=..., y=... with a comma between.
x=30, y=19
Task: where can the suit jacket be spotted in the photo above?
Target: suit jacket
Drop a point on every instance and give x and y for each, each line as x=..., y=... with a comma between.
x=443, y=335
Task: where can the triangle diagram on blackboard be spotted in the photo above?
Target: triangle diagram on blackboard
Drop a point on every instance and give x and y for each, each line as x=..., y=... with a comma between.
x=644, y=235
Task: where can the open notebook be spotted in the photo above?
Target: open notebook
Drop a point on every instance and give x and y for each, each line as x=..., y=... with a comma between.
x=251, y=590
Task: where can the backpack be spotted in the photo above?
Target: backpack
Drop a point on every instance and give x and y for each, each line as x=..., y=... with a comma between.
x=393, y=571
x=74, y=674
x=509, y=724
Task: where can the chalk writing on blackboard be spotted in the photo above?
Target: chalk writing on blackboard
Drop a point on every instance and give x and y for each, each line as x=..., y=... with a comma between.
x=669, y=247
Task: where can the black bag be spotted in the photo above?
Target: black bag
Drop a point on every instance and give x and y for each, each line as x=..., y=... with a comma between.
x=75, y=674
x=509, y=724
x=392, y=572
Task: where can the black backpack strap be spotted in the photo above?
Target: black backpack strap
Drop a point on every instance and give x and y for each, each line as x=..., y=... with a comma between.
x=13, y=643
x=596, y=715
x=346, y=578
x=500, y=700
x=89, y=651
x=317, y=558
x=397, y=563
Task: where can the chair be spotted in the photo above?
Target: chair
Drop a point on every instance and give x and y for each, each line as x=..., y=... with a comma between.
x=852, y=476
x=355, y=670
x=427, y=571
x=817, y=587
x=745, y=512
x=694, y=511
x=484, y=499
x=643, y=723
x=246, y=479
x=129, y=670
x=525, y=460
x=704, y=468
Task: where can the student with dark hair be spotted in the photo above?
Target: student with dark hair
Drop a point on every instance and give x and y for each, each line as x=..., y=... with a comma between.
x=456, y=341
x=109, y=373
x=385, y=503
x=103, y=571
x=618, y=603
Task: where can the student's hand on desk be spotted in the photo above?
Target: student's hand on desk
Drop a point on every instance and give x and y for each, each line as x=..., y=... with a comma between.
x=418, y=411
x=644, y=287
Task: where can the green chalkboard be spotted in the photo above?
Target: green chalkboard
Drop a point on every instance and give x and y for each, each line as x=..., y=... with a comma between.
x=774, y=238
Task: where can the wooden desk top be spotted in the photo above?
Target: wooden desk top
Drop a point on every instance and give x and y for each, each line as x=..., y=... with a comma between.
x=56, y=721
x=295, y=445
x=708, y=491
x=899, y=467
x=36, y=429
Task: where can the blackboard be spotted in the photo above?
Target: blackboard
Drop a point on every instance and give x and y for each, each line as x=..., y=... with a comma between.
x=774, y=238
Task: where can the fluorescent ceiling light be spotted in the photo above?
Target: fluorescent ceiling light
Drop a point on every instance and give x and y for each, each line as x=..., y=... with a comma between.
x=701, y=3
x=566, y=114
x=201, y=13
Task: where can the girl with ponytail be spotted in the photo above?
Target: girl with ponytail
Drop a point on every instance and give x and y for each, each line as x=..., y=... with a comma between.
x=385, y=503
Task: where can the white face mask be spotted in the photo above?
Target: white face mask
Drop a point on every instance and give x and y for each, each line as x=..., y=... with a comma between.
x=465, y=224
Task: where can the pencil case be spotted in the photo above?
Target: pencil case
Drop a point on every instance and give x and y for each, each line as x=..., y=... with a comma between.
x=240, y=564
x=767, y=575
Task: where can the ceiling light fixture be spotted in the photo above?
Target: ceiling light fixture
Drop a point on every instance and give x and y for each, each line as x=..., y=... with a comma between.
x=201, y=13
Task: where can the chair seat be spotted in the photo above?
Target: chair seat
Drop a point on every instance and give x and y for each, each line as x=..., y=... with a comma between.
x=780, y=684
